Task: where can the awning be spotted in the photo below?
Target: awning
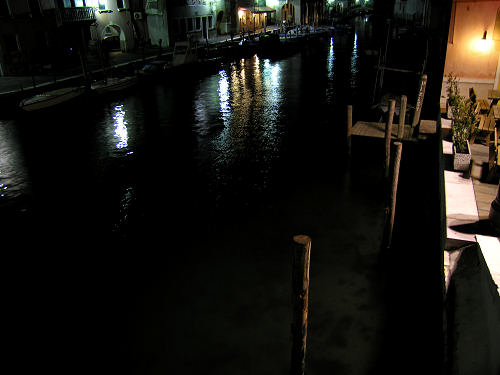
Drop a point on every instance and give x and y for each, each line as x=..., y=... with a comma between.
x=262, y=10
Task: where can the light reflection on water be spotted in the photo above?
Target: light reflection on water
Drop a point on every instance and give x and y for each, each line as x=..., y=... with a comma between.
x=13, y=175
x=354, y=62
x=331, y=58
x=223, y=90
x=117, y=131
x=243, y=120
x=120, y=124
x=233, y=123
x=330, y=68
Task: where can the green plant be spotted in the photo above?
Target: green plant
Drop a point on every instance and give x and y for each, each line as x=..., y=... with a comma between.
x=465, y=120
x=464, y=123
x=452, y=90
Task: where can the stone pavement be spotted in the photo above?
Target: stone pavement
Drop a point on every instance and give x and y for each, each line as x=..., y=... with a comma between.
x=14, y=84
x=472, y=270
x=465, y=198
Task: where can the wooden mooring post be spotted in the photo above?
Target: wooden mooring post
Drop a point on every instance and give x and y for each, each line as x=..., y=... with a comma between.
x=420, y=100
x=391, y=209
x=349, y=129
x=402, y=117
x=300, y=297
x=388, y=135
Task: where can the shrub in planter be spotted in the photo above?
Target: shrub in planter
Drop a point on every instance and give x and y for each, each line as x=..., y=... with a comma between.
x=453, y=93
x=464, y=123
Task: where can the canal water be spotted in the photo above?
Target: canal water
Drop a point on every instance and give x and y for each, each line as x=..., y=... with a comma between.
x=151, y=232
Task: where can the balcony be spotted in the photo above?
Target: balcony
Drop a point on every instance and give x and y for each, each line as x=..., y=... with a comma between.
x=75, y=16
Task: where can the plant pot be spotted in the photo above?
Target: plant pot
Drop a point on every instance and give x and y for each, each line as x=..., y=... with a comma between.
x=449, y=112
x=461, y=161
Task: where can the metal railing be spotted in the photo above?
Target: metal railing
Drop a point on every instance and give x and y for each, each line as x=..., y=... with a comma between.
x=66, y=16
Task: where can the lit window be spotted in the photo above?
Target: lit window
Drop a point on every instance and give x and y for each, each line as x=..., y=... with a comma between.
x=152, y=4
x=102, y=4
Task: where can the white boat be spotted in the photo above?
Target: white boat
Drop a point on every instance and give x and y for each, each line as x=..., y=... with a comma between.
x=51, y=98
x=185, y=52
x=113, y=84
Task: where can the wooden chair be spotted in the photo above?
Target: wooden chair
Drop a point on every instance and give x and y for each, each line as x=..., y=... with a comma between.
x=494, y=156
x=482, y=106
x=485, y=127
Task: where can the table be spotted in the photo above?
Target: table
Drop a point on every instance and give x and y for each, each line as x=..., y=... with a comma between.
x=496, y=111
x=494, y=95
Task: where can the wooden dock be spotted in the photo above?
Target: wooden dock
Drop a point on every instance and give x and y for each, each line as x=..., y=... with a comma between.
x=377, y=130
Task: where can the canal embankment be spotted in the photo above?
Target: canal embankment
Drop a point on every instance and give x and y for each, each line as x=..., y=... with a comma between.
x=15, y=88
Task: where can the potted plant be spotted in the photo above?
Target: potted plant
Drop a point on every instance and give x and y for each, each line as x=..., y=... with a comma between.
x=462, y=129
x=464, y=125
x=453, y=94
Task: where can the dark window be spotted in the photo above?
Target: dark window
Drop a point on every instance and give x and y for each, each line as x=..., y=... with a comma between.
x=119, y=4
x=4, y=8
x=210, y=22
x=198, y=23
x=10, y=42
x=190, y=24
x=34, y=7
x=183, y=26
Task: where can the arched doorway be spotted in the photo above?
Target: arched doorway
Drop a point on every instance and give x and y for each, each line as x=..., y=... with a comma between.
x=113, y=38
x=288, y=14
x=219, y=21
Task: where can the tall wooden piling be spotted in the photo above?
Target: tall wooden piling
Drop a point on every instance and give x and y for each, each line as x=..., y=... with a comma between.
x=388, y=134
x=349, y=129
x=420, y=100
x=391, y=210
x=300, y=297
x=402, y=117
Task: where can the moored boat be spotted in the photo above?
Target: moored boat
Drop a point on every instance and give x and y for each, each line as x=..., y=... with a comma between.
x=113, y=84
x=51, y=98
x=185, y=52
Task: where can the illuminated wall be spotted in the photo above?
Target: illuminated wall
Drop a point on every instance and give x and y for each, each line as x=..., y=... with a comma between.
x=114, y=18
x=471, y=58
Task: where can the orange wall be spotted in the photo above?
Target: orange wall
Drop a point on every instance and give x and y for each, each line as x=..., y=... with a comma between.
x=463, y=58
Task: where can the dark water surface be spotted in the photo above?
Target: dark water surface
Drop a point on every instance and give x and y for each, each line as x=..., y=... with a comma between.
x=150, y=233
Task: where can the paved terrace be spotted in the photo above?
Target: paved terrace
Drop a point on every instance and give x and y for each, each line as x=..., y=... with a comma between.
x=472, y=268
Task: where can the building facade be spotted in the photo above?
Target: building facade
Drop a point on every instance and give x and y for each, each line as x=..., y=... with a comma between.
x=157, y=21
x=411, y=10
x=472, y=53
x=37, y=35
x=119, y=23
x=196, y=19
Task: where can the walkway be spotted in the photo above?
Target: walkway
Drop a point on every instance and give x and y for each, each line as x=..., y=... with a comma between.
x=472, y=270
x=468, y=202
x=117, y=59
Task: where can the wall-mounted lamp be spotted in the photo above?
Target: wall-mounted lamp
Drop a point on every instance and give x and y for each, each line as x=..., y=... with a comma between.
x=483, y=45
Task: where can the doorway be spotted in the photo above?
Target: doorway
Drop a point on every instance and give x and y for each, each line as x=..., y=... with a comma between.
x=204, y=27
